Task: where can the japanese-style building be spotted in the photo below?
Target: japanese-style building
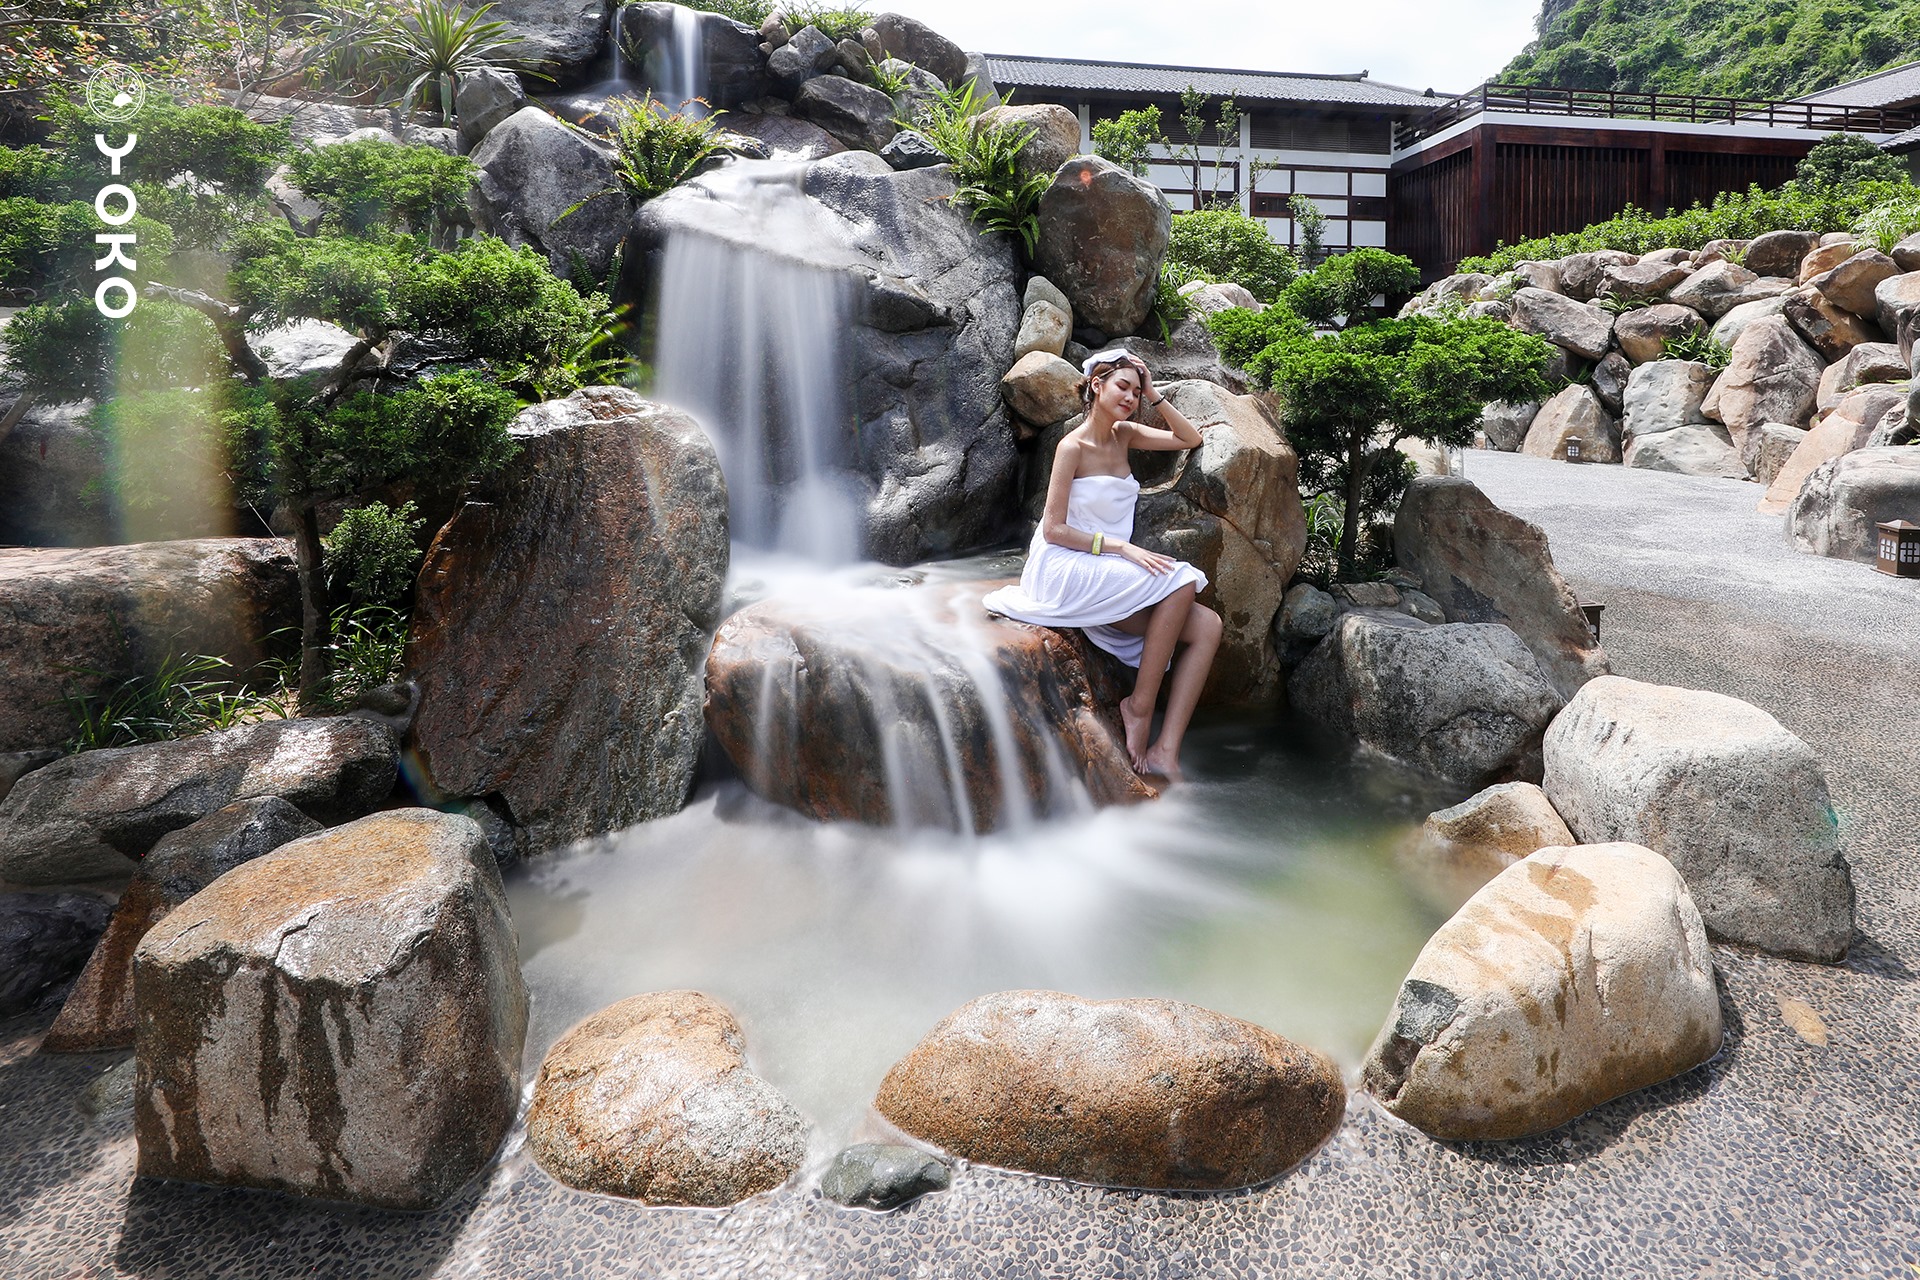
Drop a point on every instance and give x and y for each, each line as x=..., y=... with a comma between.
x=1440, y=177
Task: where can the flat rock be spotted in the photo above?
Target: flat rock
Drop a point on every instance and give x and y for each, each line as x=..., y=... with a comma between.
x=1462, y=847
x=1103, y=236
x=98, y=1013
x=1836, y=511
x=1574, y=411
x=886, y=707
x=45, y=939
x=583, y=720
x=1584, y=330
x=88, y=619
x=1482, y=564
x=1465, y=703
x=651, y=1098
x=1575, y=976
x=1699, y=449
x=89, y=816
x=878, y=1175
x=1128, y=1093
x=1727, y=329
x=342, y=1018
x=1736, y=803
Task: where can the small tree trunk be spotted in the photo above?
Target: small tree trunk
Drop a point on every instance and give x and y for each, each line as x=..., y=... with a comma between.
x=316, y=610
x=1359, y=465
x=17, y=411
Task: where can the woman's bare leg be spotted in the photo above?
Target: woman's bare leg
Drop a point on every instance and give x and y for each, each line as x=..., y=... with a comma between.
x=1164, y=624
x=1201, y=636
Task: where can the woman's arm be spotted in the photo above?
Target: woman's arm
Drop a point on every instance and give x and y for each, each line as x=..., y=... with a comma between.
x=1178, y=433
x=1053, y=521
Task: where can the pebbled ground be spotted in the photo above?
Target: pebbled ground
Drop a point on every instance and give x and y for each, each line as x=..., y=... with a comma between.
x=1790, y=1155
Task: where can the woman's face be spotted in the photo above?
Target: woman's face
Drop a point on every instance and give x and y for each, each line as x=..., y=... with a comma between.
x=1120, y=392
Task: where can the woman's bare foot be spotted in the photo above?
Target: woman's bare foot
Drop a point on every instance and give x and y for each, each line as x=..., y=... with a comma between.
x=1138, y=726
x=1161, y=764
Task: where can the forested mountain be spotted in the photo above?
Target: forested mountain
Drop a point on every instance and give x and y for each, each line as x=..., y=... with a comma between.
x=1748, y=48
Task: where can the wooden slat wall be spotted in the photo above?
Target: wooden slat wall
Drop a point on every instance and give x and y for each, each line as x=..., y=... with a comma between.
x=1545, y=190
x=1702, y=175
x=1430, y=213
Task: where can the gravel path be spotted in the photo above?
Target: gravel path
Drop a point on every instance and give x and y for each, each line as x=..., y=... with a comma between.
x=1790, y=1155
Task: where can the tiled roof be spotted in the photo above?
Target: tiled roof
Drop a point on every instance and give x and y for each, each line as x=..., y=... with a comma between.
x=1246, y=86
x=1903, y=141
x=1894, y=87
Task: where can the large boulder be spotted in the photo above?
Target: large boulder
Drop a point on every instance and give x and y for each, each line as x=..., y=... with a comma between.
x=45, y=938
x=1582, y=329
x=1779, y=253
x=1643, y=334
x=1850, y=285
x=1462, y=702
x=1042, y=389
x=1576, y=975
x=1103, y=236
x=564, y=40
x=545, y=183
x=1850, y=426
x=485, y=97
x=858, y=115
x=1701, y=449
x=1736, y=803
x=1833, y=330
x=1835, y=511
x=1719, y=287
x=1055, y=130
x=1581, y=274
x=341, y=1018
x=1574, y=411
x=733, y=71
x=1727, y=329
x=90, y=816
x=1827, y=257
x=928, y=453
x=651, y=1098
x=1461, y=847
x=53, y=479
x=99, y=1013
x=1506, y=424
x=1482, y=564
x=1662, y=396
x=1642, y=281
x=82, y=622
x=1130, y=1093
x=1772, y=376
x=878, y=706
x=582, y=720
x=911, y=40
x=1866, y=363
x=808, y=53
x=1188, y=353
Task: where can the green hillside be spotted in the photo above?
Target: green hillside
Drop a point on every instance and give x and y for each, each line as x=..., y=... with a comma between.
x=1746, y=48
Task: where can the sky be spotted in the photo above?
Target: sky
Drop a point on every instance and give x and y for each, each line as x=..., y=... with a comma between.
x=1449, y=45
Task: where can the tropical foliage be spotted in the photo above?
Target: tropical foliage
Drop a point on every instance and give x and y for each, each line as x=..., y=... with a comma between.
x=656, y=149
x=991, y=184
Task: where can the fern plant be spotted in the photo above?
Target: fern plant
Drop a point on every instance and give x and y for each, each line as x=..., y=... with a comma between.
x=989, y=182
x=657, y=149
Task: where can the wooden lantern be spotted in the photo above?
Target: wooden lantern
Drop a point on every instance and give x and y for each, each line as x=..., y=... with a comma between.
x=1573, y=448
x=1592, y=609
x=1899, y=549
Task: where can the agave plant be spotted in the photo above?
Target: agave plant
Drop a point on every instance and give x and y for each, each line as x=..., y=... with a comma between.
x=441, y=42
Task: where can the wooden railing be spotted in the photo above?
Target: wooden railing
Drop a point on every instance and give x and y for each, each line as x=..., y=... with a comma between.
x=1678, y=107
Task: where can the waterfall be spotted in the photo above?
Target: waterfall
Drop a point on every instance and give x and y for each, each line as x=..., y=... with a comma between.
x=750, y=345
x=677, y=66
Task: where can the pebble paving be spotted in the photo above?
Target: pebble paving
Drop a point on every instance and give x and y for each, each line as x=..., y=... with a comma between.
x=1795, y=1153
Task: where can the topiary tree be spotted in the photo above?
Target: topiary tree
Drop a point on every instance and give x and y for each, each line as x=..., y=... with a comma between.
x=373, y=184
x=1350, y=397
x=1848, y=159
x=1341, y=290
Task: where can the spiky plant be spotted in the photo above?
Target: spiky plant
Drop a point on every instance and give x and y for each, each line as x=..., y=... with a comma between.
x=439, y=42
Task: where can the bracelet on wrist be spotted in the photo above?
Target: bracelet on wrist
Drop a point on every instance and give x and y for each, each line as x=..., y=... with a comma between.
x=1099, y=540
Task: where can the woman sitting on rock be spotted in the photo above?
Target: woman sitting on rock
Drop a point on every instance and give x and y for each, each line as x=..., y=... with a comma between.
x=1083, y=572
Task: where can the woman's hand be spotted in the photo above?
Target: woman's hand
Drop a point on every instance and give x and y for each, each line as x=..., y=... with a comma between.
x=1152, y=561
x=1147, y=393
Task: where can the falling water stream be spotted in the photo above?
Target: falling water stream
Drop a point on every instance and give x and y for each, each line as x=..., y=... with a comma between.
x=1265, y=887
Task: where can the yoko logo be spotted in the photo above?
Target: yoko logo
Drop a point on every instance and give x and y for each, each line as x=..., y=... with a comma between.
x=115, y=95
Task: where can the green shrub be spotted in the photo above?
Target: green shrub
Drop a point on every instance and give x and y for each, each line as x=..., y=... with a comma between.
x=371, y=554
x=369, y=183
x=835, y=21
x=353, y=283
x=1346, y=284
x=1886, y=225
x=1699, y=347
x=369, y=642
x=656, y=149
x=51, y=246
x=1129, y=138
x=181, y=697
x=215, y=144
x=1227, y=245
x=1241, y=334
x=1842, y=159
x=369, y=439
x=69, y=351
x=509, y=309
x=1734, y=215
x=35, y=173
x=751, y=12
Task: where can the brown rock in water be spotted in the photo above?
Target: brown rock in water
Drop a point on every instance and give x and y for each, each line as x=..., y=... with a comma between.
x=1127, y=1093
x=98, y=1013
x=1483, y=564
x=342, y=1018
x=1576, y=975
x=86, y=619
x=89, y=816
x=561, y=613
x=812, y=699
x=651, y=1098
x=1462, y=847
x=1103, y=236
